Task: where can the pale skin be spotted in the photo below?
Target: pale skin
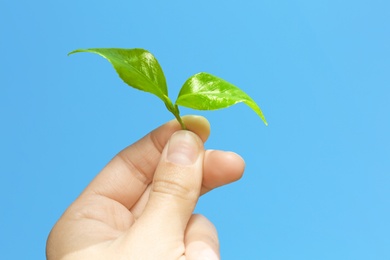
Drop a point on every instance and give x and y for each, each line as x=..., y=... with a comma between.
x=140, y=206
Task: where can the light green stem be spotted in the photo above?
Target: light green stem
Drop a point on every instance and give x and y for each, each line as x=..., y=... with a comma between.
x=177, y=115
x=174, y=109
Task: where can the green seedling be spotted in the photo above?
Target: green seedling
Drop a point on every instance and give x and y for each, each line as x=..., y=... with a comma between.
x=139, y=69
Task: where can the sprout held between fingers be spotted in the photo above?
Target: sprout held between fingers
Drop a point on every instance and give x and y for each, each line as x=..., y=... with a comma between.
x=139, y=69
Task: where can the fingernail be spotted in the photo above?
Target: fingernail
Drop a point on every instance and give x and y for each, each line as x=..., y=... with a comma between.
x=183, y=148
x=208, y=254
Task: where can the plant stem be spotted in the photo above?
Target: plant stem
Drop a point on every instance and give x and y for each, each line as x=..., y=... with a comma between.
x=174, y=109
x=177, y=115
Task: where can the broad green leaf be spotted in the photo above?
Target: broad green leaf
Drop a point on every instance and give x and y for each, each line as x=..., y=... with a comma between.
x=136, y=67
x=204, y=91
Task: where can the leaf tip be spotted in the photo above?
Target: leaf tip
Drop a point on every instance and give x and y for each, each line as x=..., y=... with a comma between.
x=72, y=52
x=75, y=51
x=264, y=120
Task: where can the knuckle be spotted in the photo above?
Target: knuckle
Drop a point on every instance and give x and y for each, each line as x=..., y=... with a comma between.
x=175, y=188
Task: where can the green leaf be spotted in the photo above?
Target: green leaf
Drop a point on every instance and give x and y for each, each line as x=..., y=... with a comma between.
x=138, y=68
x=204, y=91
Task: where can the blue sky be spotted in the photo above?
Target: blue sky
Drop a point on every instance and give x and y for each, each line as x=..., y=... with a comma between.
x=317, y=179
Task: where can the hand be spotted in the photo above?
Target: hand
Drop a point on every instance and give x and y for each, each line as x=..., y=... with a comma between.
x=140, y=206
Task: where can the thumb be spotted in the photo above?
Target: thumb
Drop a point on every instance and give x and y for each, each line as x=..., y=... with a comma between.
x=176, y=185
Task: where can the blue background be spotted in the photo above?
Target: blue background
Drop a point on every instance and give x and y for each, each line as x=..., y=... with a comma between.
x=317, y=181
